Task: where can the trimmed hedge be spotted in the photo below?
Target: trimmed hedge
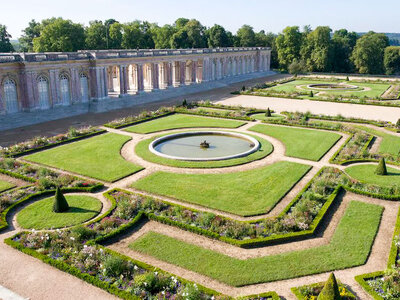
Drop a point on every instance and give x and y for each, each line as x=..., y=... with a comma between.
x=297, y=293
x=138, y=121
x=67, y=141
x=189, y=112
x=18, y=176
x=362, y=280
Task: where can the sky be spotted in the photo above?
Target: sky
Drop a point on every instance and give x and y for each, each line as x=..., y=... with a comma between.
x=269, y=15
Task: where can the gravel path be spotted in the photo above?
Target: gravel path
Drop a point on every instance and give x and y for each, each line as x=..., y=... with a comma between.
x=370, y=112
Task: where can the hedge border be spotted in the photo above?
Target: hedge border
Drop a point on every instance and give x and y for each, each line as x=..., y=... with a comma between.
x=108, y=125
x=3, y=215
x=362, y=280
x=18, y=176
x=49, y=146
x=249, y=243
x=297, y=293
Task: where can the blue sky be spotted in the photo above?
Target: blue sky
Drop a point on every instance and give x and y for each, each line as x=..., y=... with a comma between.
x=270, y=15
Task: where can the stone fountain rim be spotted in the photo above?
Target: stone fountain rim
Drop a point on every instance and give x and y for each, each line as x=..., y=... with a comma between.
x=254, y=141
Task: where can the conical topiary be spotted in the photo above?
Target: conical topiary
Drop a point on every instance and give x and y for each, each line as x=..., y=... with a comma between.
x=381, y=168
x=268, y=113
x=60, y=203
x=311, y=94
x=330, y=290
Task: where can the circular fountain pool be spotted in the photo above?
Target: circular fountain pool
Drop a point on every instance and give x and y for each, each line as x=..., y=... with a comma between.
x=204, y=145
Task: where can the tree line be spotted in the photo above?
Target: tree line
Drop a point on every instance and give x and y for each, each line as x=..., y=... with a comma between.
x=293, y=50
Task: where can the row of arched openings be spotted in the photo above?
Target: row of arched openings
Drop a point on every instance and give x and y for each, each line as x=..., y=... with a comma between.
x=11, y=95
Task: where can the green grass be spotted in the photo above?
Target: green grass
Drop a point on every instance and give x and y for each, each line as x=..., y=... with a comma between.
x=5, y=185
x=349, y=247
x=390, y=143
x=365, y=173
x=377, y=89
x=142, y=150
x=244, y=193
x=301, y=143
x=177, y=121
x=40, y=215
x=97, y=157
x=262, y=117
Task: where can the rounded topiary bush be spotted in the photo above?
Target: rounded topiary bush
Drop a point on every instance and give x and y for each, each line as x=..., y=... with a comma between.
x=381, y=169
x=330, y=290
x=60, y=203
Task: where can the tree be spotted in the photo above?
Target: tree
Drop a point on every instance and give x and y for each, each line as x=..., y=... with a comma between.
x=115, y=36
x=96, y=35
x=317, y=50
x=343, y=45
x=180, y=40
x=381, y=168
x=218, y=37
x=288, y=44
x=196, y=34
x=392, y=60
x=368, y=53
x=162, y=36
x=246, y=36
x=59, y=35
x=60, y=203
x=29, y=33
x=330, y=290
x=297, y=67
x=5, y=44
x=132, y=36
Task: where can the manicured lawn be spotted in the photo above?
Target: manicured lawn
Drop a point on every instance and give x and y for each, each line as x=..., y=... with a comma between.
x=390, y=143
x=365, y=173
x=301, y=143
x=244, y=193
x=97, y=157
x=5, y=185
x=374, y=90
x=142, y=150
x=349, y=247
x=262, y=117
x=40, y=215
x=176, y=121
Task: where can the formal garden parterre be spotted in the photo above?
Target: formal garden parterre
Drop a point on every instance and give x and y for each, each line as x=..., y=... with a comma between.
x=286, y=192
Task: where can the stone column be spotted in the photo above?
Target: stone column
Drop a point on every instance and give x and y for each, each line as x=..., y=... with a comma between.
x=176, y=77
x=75, y=86
x=110, y=77
x=122, y=81
x=54, y=87
x=139, y=76
x=199, y=71
x=105, y=82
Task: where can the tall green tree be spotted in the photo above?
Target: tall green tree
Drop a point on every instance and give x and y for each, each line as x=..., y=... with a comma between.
x=60, y=35
x=180, y=40
x=343, y=44
x=5, y=44
x=218, y=37
x=162, y=36
x=96, y=35
x=28, y=34
x=288, y=45
x=132, y=36
x=392, y=60
x=317, y=50
x=246, y=36
x=368, y=53
x=115, y=36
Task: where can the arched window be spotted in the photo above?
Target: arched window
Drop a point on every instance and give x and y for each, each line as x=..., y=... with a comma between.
x=65, y=93
x=43, y=90
x=10, y=96
x=84, y=88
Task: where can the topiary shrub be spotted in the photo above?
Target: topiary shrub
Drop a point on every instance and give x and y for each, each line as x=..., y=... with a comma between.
x=398, y=124
x=381, y=168
x=347, y=78
x=268, y=113
x=60, y=203
x=311, y=94
x=243, y=88
x=184, y=103
x=330, y=290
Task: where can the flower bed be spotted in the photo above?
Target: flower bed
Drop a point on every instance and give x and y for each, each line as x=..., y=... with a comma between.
x=41, y=143
x=311, y=292
x=118, y=274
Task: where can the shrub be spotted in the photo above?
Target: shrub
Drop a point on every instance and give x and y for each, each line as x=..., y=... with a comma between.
x=184, y=103
x=330, y=290
x=398, y=124
x=115, y=266
x=347, y=78
x=311, y=94
x=268, y=113
x=381, y=169
x=60, y=203
x=82, y=233
x=243, y=88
